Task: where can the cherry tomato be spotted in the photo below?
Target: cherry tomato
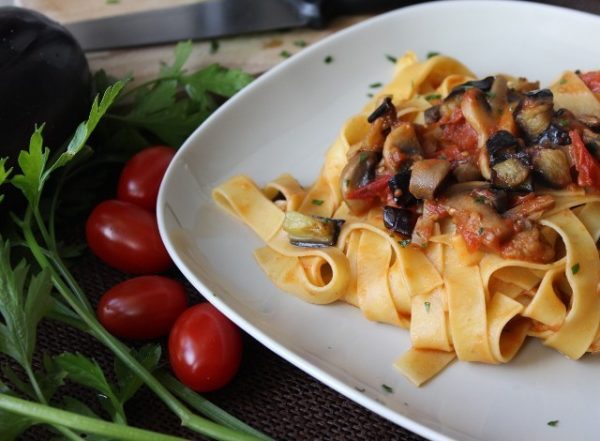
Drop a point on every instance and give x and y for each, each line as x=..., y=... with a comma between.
x=586, y=165
x=142, y=308
x=126, y=237
x=205, y=348
x=142, y=175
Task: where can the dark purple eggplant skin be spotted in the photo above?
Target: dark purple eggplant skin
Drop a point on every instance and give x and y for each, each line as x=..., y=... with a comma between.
x=44, y=79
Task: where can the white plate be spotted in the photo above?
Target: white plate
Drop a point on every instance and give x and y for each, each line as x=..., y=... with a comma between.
x=284, y=122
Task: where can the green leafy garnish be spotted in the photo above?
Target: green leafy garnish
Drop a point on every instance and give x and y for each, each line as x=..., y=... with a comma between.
x=300, y=43
x=404, y=243
x=391, y=58
x=433, y=96
x=214, y=46
x=375, y=85
x=317, y=201
x=427, y=306
x=553, y=423
x=328, y=59
x=363, y=156
x=285, y=54
x=575, y=268
x=432, y=54
x=387, y=388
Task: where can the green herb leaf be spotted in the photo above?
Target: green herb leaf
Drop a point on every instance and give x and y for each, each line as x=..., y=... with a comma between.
x=479, y=199
x=328, y=59
x=128, y=381
x=404, y=243
x=214, y=46
x=285, y=54
x=21, y=308
x=317, y=201
x=432, y=54
x=427, y=306
x=490, y=95
x=363, y=156
x=391, y=58
x=575, y=268
x=32, y=163
x=387, y=388
x=183, y=50
x=300, y=43
x=86, y=372
x=553, y=423
x=219, y=80
x=375, y=85
x=433, y=96
x=562, y=81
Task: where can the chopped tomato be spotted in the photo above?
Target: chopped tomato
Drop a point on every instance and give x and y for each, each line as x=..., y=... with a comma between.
x=374, y=189
x=591, y=80
x=586, y=165
x=459, y=139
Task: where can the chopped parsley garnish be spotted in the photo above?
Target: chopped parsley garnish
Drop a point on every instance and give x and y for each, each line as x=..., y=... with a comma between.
x=427, y=306
x=432, y=54
x=490, y=95
x=562, y=81
x=214, y=46
x=575, y=268
x=370, y=95
x=318, y=201
x=391, y=58
x=404, y=243
x=480, y=231
x=113, y=2
x=563, y=123
x=375, y=85
x=553, y=423
x=479, y=199
x=433, y=96
x=285, y=54
x=328, y=59
x=363, y=156
x=387, y=388
x=300, y=43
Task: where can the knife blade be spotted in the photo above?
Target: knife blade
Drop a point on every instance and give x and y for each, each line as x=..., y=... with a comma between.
x=211, y=19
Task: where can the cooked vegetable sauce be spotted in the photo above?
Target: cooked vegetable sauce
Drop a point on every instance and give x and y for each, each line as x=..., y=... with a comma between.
x=485, y=157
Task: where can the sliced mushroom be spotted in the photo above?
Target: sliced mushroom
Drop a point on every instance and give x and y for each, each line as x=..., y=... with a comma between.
x=427, y=176
x=552, y=166
x=401, y=144
x=399, y=220
x=534, y=114
x=358, y=172
x=478, y=114
x=311, y=231
x=466, y=171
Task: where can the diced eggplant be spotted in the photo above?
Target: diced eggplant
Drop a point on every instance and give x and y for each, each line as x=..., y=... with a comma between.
x=552, y=166
x=401, y=144
x=358, y=172
x=311, y=231
x=534, y=114
x=501, y=145
x=554, y=135
x=427, y=176
x=399, y=220
x=510, y=174
x=398, y=186
x=592, y=142
x=466, y=171
x=433, y=114
x=386, y=107
x=484, y=85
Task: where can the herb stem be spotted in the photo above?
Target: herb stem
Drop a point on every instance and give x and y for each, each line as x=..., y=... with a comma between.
x=68, y=433
x=53, y=416
x=147, y=83
x=205, y=407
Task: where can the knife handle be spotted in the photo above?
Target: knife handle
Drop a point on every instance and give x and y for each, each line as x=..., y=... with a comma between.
x=321, y=11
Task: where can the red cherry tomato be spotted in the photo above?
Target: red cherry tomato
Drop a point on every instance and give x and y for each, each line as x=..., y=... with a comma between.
x=142, y=175
x=142, y=308
x=126, y=237
x=205, y=348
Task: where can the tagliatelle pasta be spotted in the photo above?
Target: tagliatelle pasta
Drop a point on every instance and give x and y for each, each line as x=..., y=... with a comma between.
x=470, y=209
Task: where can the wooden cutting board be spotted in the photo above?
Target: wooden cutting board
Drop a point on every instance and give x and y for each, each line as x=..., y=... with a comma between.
x=253, y=53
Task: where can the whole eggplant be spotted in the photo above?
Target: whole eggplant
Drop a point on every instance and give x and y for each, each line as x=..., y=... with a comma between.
x=44, y=79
